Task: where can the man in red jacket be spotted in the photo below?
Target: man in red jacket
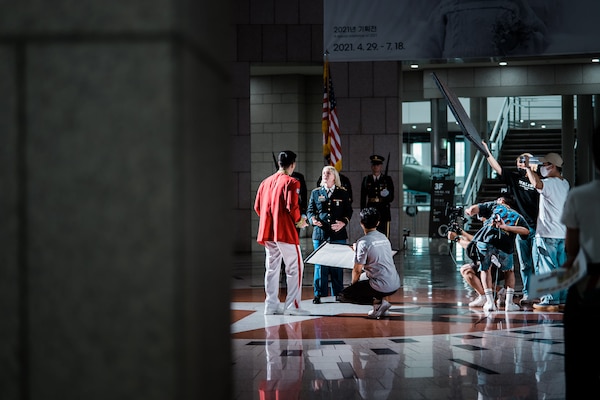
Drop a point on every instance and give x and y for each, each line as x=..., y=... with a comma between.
x=278, y=208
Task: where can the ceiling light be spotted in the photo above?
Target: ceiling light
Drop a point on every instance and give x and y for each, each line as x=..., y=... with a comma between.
x=414, y=66
x=502, y=63
x=595, y=60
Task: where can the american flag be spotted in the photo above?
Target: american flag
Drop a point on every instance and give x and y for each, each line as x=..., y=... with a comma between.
x=332, y=144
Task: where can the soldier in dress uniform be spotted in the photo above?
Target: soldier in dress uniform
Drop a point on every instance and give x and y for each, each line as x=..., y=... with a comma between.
x=377, y=190
x=329, y=211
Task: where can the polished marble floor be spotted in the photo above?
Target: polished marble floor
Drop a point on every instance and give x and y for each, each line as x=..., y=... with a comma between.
x=431, y=346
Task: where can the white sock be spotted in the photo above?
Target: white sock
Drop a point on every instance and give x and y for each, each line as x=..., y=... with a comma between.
x=510, y=292
x=489, y=295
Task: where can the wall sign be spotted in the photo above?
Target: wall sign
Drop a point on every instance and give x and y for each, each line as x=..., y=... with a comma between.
x=379, y=30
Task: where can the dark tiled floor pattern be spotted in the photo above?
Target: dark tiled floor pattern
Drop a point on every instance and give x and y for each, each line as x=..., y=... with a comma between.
x=432, y=346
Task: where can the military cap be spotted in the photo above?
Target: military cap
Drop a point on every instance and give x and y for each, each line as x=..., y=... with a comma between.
x=376, y=159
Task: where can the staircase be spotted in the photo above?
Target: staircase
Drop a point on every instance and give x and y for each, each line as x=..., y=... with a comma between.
x=538, y=142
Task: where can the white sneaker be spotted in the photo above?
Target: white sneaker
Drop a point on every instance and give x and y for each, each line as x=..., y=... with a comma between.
x=273, y=311
x=512, y=307
x=478, y=302
x=546, y=304
x=296, y=311
x=379, y=310
x=487, y=307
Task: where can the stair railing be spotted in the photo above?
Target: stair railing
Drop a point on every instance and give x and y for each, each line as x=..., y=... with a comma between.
x=479, y=168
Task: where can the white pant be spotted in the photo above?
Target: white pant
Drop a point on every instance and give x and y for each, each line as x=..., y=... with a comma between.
x=294, y=268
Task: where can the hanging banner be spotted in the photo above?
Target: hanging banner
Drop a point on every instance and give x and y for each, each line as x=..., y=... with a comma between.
x=380, y=30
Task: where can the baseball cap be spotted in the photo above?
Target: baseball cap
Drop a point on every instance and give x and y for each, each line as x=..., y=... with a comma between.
x=552, y=158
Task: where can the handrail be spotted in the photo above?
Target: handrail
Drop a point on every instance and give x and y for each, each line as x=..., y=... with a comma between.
x=479, y=170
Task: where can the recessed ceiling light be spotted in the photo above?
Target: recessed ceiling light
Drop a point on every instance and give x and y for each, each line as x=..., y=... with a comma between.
x=502, y=63
x=414, y=66
x=595, y=60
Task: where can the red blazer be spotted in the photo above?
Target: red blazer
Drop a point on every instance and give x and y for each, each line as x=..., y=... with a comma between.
x=277, y=206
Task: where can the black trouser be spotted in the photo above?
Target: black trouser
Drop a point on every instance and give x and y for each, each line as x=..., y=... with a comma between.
x=362, y=292
x=582, y=312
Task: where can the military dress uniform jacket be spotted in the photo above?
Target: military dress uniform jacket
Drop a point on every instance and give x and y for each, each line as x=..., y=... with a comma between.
x=370, y=195
x=338, y=207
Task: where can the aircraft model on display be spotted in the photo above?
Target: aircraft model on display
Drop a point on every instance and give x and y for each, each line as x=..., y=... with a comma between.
x=416, y=177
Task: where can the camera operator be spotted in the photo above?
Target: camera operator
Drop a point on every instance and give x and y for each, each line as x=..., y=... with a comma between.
x=494, y=244
x=469, y=271
x=526, y=199
x=549, y=242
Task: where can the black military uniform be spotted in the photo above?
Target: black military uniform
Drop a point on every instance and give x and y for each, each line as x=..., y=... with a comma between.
x=346, y=184
x=377, y=190
x=328, y=208
x=302, y=196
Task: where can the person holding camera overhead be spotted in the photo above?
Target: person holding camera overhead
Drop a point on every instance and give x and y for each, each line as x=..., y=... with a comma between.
x=526, y=199
x=549, y=249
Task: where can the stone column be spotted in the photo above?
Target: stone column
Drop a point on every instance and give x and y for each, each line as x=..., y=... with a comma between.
x=114, y=201
x=584, y=169
x=568, y=137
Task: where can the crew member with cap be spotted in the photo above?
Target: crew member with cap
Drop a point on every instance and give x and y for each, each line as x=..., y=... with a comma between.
x=549, y=246
x=377, y=191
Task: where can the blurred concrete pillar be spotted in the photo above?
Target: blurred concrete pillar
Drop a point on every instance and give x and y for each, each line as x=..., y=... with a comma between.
x=479, y=115
x=439, y=133
x=114, y=200
x=584, y=166
x=568, y=137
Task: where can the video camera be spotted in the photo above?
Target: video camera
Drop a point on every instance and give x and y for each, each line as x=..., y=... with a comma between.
x=456, y=219
x=534, y=162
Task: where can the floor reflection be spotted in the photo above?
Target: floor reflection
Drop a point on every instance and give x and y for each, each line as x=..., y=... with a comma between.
x=432, y=346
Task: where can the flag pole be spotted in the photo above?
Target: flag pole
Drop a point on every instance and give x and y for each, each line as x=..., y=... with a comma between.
x=326, y=110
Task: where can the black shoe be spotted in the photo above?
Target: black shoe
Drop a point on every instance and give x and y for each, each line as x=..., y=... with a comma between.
x=317, y=300
x=342, y=299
